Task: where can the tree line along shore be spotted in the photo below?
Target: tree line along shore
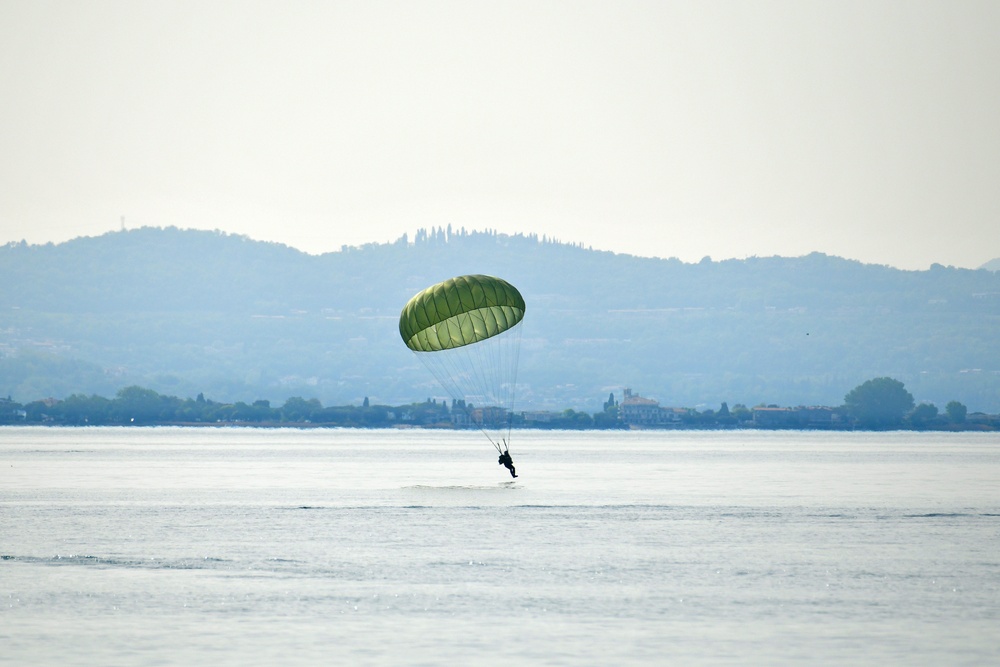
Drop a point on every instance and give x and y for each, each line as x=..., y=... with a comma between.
x=878, y=404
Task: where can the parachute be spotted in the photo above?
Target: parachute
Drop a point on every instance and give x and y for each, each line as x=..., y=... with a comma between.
x=465, y=330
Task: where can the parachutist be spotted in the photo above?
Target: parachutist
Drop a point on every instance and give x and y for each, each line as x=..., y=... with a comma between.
x=467, y=330
x=505, y=460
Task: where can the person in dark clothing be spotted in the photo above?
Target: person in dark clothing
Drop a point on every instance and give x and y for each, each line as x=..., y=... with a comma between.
x=505, y=460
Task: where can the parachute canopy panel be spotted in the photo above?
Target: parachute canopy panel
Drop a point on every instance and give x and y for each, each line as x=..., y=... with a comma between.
x=458, y=312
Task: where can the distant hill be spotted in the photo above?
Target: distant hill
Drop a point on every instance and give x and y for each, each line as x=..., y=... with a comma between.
x=992, y=265
x=186, y=312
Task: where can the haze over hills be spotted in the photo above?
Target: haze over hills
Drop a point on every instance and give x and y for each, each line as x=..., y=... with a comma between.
x=186, y=312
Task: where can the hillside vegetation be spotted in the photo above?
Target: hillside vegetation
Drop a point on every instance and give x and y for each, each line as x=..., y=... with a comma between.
x=187, y=312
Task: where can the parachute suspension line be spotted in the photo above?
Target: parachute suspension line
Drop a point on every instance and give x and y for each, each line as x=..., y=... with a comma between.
x=462, y=385
x=507, y=366
x=482, y=378
x=503, y=360
x=516, y=354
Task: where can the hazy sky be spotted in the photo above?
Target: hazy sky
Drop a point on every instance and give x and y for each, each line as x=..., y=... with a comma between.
x=863, y=129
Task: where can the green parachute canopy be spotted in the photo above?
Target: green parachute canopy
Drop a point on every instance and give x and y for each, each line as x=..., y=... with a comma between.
x=460, y=311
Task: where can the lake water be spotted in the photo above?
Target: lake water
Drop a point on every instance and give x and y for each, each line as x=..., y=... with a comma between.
x=175, y=546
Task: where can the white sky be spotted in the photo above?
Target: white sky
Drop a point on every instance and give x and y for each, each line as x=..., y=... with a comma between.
x=868, y=129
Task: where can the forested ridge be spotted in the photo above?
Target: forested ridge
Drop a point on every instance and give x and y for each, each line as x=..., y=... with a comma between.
x=186, y=312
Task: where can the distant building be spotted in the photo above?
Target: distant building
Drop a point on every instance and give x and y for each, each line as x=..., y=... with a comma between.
x=775, y=417
x=800, y=417
x=983, y=420
x=638, y=412
x=539, y=416
x=490, y=416
x=821, y=416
